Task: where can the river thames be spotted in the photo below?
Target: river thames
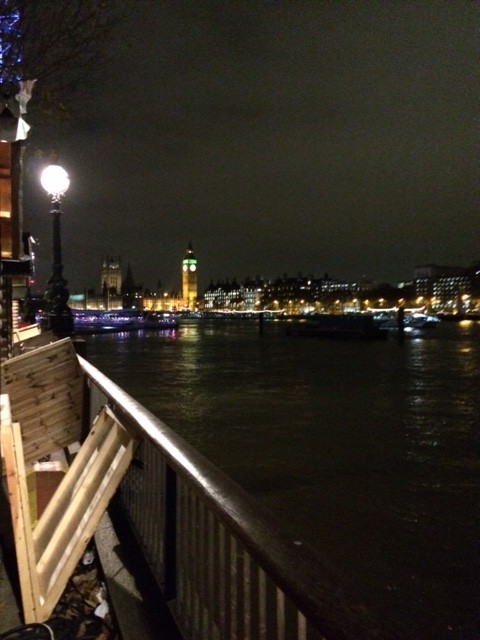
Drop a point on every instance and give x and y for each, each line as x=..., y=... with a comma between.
x=368, y=450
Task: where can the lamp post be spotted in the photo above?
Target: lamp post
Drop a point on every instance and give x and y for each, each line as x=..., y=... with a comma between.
x=59, y=318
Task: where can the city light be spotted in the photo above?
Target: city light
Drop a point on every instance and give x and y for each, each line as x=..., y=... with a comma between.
x=55, y=180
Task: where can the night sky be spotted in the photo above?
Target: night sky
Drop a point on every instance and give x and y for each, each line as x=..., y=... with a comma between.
x=279, y=137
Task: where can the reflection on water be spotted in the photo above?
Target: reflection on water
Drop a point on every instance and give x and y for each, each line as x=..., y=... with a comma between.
x=366, y=450
x=438, y=510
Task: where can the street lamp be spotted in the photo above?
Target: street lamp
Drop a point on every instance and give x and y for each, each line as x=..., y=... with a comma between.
x=55, y=181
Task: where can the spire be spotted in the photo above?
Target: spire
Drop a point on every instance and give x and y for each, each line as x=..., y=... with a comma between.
x=129, y=271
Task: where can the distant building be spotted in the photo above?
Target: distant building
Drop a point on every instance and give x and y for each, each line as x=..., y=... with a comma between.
x=293, y=295
x=224, y=295
x=441, y=282
x=111, y=274
x=132, y=294
x=189, y=279
x=252, y=293
x=166, y=301
x=305, y=294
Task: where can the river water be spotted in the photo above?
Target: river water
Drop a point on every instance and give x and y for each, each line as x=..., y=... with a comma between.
x=368, y=450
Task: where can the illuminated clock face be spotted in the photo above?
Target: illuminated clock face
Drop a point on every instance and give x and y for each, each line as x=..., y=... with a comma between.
x=193, y=267
x=184, y=267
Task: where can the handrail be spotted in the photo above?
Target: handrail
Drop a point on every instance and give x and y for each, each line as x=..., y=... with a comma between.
x=294, y=566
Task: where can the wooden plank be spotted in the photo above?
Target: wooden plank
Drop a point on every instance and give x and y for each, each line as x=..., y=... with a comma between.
x=44, y=373
x=43, y=357
x=32, y=365
x=48, y=556
x=21, y=521
x=45, y=387
x=40, y=378
x=54, y=428
x=78, y=525
x=43, y=378
x=25, y=333
x=29, y=404
x=60, y=407
x=5, y=419
x=64, y=494
x=93, y=514
x=81, y=500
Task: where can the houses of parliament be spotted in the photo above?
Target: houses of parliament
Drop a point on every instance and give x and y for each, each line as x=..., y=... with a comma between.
x=118, y=292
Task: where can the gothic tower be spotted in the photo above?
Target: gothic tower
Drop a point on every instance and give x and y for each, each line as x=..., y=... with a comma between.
x=111, y=277
x=131, y=293
x=189, y=279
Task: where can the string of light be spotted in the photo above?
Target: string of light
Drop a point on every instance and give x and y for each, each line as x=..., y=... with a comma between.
x=10, y=55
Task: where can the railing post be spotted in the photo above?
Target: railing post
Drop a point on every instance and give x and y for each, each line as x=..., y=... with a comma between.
x=170, y=533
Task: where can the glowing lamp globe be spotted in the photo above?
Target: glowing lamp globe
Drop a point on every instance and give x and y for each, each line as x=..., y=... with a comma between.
x=55, y=180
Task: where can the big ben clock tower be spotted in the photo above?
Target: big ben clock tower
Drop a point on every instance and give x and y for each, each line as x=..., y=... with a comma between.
x=189, y=279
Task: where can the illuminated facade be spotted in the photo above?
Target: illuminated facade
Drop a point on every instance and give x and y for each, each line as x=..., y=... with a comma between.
x=441, y=282
x=189, y=279
x=224, y=295
x=111, y=276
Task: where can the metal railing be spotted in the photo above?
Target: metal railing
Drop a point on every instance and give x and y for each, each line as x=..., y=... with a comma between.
x=225, y=567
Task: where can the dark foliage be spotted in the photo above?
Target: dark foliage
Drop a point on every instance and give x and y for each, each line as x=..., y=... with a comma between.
x=59, y=43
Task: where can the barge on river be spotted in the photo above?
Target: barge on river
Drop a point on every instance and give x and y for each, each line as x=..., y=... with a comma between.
x=89, y=321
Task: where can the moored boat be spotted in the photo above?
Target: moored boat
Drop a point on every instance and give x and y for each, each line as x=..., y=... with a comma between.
x=162, y=321
x=412, y=320
x=119, y=320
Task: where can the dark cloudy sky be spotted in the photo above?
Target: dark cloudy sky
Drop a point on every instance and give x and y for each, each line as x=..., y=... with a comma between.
x=277, y=136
